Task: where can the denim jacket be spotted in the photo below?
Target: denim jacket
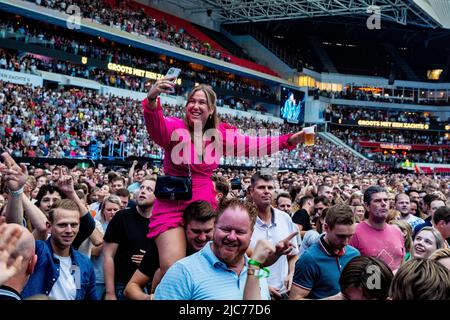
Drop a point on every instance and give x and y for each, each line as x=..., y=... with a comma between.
x=46, y=273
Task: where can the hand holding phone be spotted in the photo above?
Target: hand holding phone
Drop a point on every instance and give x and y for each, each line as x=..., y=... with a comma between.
x=164, y=85
x=172, y=75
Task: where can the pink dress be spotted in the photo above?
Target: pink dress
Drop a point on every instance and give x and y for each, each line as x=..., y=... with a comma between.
x=168, y=214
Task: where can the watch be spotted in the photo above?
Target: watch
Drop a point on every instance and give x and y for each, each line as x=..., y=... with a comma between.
x=252, y=271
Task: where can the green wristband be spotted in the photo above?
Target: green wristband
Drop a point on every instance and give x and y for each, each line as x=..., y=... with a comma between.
x=255, y=263
x=263, y=273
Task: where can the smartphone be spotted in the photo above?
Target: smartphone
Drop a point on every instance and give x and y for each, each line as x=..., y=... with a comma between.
x=173, y=72
x=236, y=184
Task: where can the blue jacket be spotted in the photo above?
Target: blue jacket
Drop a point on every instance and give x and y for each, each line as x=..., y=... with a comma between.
x=46, y=273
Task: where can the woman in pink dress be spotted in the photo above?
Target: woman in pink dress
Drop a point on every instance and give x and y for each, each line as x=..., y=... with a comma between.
x=187, y=148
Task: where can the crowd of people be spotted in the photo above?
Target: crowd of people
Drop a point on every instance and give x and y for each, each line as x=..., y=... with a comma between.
x=136, y=21
x=33, y=126
x=97, y=218
x=111, y=233
x=329, y=225
x=353, y=137
x=37, y=33
x=361, y=95
x=351, y=113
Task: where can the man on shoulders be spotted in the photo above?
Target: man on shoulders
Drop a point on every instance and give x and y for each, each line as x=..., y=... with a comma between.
x=219, y=270
x=199, y=219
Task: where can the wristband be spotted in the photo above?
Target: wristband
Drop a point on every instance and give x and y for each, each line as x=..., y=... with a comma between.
x=262, y=272
x=259, y=273
x=151, y=99
x=16, y=193
x=255, y=263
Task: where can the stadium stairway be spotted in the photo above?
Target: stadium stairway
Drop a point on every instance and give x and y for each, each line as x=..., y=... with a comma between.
x=333, y=139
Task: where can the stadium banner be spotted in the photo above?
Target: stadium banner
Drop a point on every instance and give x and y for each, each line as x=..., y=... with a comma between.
x=20, y=78
x=399, y=146
x=391, y=124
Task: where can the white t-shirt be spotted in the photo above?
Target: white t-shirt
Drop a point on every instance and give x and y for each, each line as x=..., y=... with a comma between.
x=280, y=227
x=65, y=287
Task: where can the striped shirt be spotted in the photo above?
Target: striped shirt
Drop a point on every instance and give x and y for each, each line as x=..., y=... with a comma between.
x=8, y=293
x=202, y=276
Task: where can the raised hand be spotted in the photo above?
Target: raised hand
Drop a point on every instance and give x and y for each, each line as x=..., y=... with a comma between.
x=15, y=176
x=8, y=241
x=299, y=137
x=285, y=246
x=263, y=250
x=272, y=254
x=66, y=185
x=165, y=85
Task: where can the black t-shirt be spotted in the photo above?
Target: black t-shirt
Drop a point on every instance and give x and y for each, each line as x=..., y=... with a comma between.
x=128, y=229
x=302, y=217
x=87, y=226
x=150, y=262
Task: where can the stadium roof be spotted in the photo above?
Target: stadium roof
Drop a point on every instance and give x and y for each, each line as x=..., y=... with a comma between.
x=425, y=13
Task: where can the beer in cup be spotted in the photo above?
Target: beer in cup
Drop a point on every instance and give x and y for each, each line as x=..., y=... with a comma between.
x=309, y=136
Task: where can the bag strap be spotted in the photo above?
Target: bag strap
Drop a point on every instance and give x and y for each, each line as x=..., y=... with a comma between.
x=189, y=168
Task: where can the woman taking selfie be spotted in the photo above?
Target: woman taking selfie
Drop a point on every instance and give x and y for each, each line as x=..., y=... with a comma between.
x=192, y=149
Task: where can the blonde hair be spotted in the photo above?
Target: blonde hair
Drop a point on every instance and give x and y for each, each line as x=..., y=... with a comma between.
x=112, y=198
x=440, y=254
x=393, y=215
x=405, y=227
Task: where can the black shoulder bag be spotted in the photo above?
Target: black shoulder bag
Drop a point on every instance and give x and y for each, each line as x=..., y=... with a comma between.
x=174, y=188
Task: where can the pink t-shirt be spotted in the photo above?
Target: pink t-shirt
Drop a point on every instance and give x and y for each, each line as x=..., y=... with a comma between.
x=387, y=244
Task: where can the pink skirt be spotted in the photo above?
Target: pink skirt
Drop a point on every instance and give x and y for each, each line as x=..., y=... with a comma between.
x=168, y=214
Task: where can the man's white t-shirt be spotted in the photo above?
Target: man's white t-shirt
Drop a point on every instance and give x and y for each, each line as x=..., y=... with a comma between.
x=280, y=227
x=65, y=287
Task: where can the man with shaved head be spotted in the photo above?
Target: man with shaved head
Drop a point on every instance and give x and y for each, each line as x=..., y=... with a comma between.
x=25, y=248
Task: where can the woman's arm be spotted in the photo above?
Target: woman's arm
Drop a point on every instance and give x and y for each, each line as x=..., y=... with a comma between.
x=157, y=126
x=237, y=144
x=156, y=123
